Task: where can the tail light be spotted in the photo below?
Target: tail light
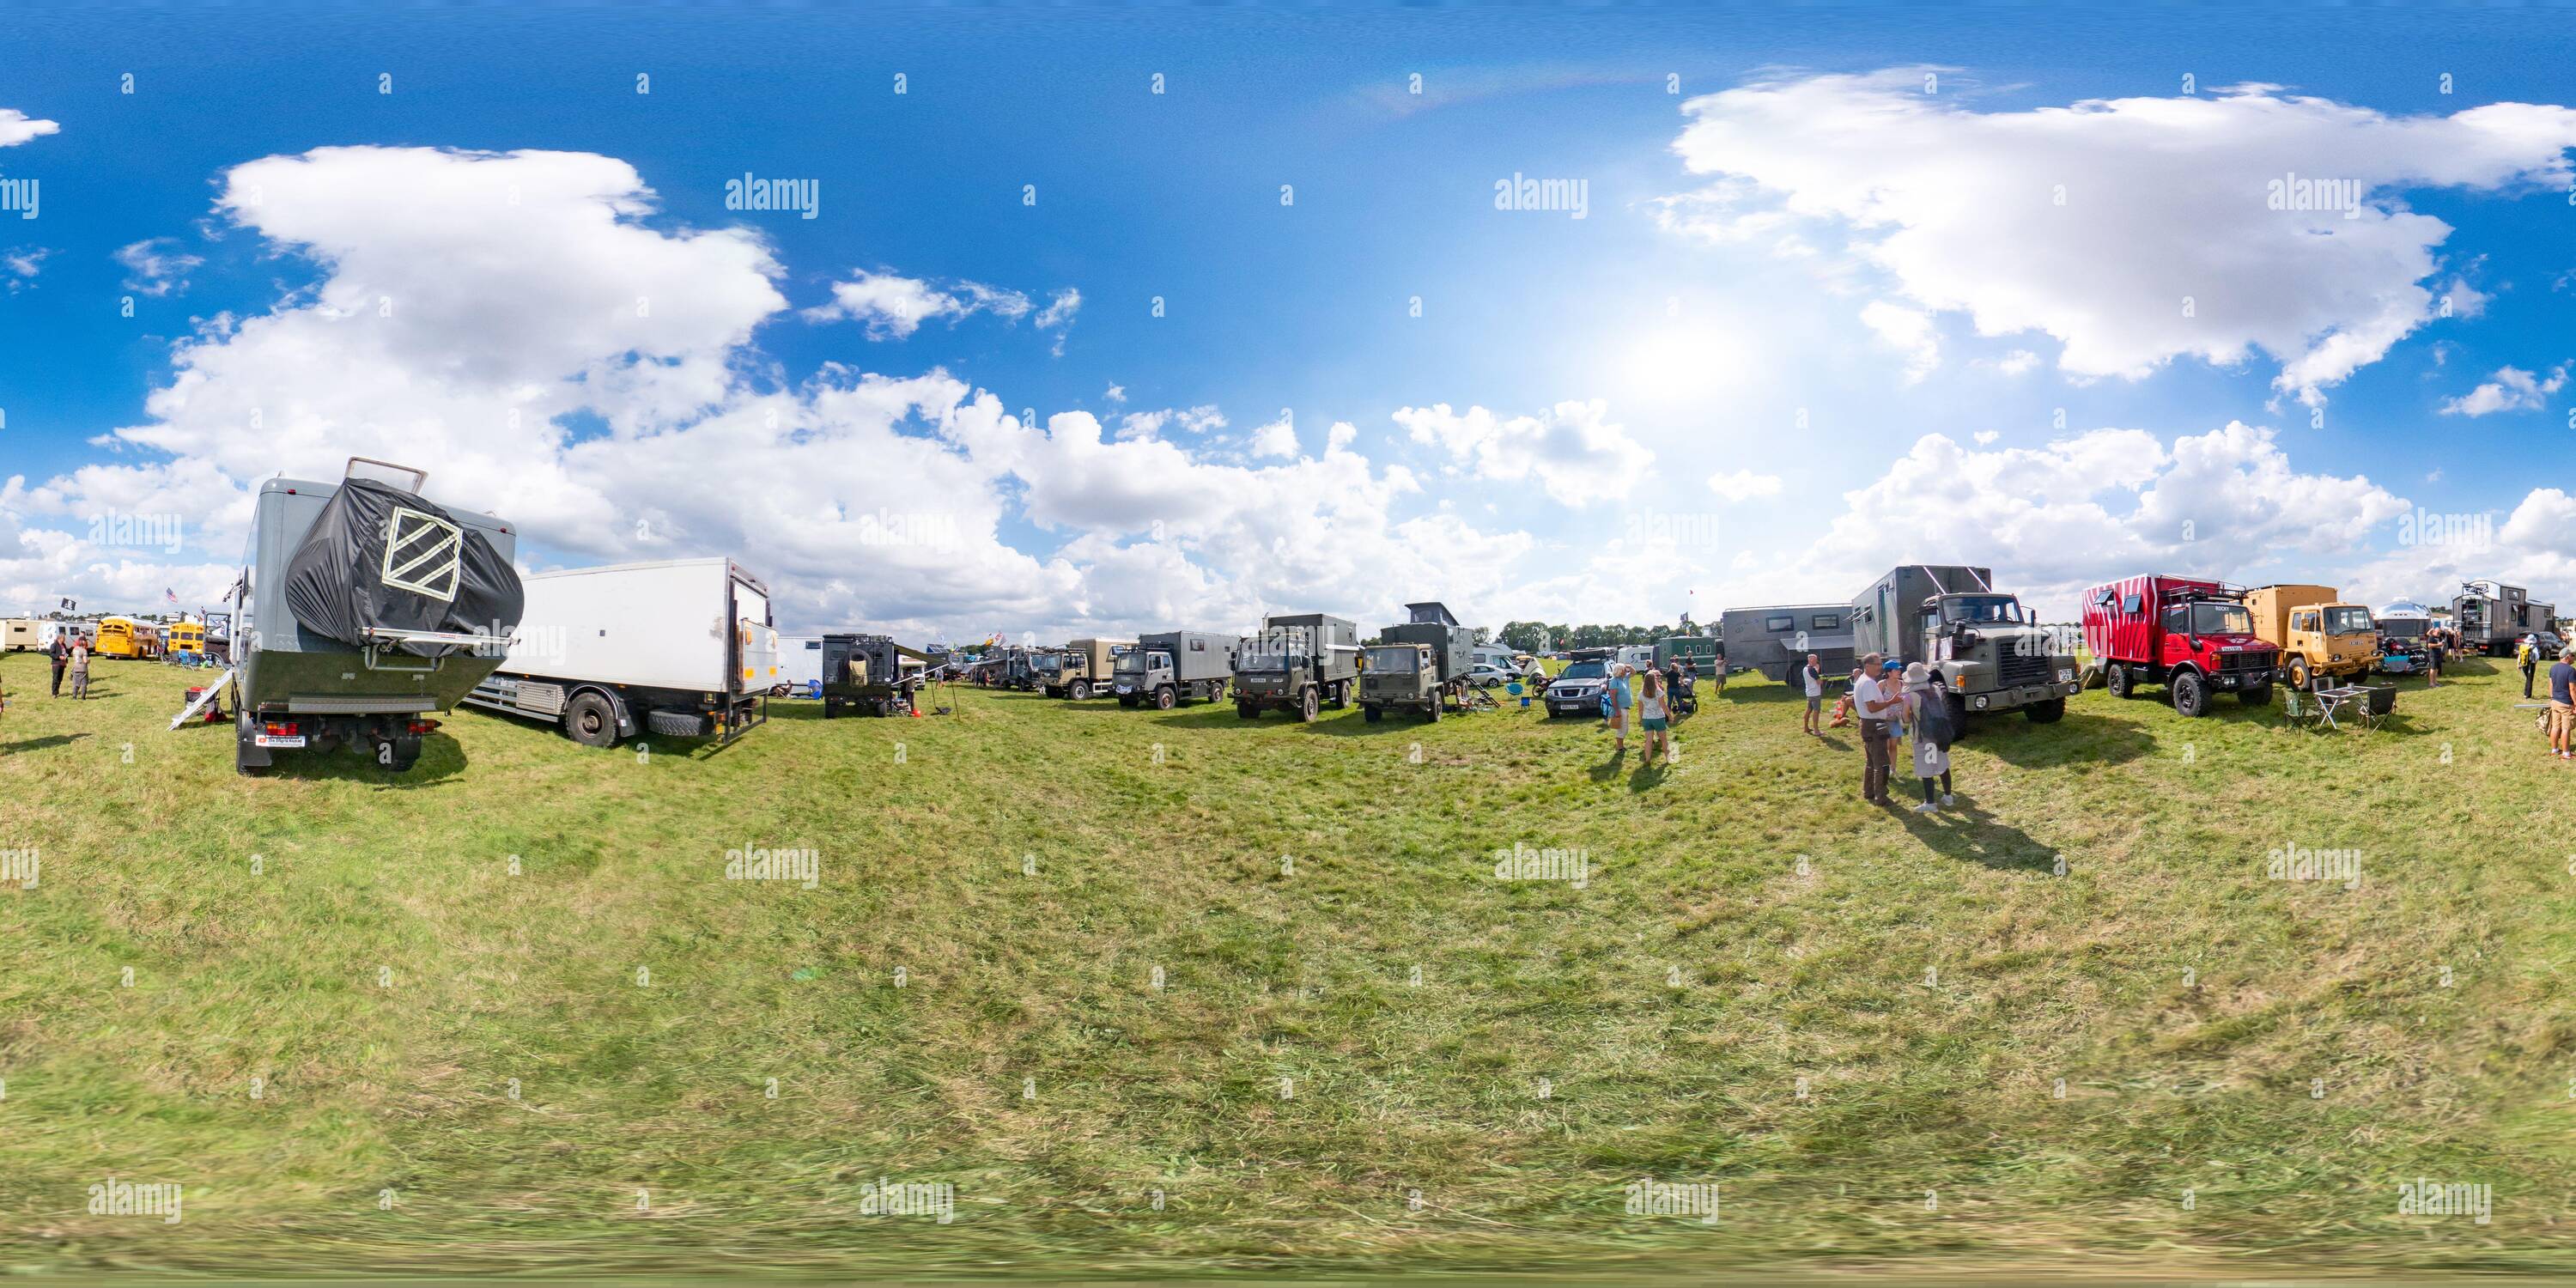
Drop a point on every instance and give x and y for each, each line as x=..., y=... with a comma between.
x=282, y=728
x=419, y=727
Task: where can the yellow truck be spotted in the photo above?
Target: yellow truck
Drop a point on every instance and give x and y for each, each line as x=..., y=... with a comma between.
x=2317, y=633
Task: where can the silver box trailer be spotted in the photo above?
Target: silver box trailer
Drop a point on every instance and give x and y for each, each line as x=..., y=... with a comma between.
x=2492, y=617
x=683, y=648
x=1776, y=640
x=1172, y=667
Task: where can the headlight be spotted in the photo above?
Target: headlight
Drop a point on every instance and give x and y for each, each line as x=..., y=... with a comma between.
x=1981, y=702
x=2066, y=675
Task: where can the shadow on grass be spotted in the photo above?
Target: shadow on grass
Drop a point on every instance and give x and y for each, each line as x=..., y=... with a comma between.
x=441, y=758
x=2077, y=737
x=40, y=744
x=1964, y=831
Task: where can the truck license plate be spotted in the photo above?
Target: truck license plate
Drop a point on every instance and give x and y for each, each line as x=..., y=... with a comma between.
x=265, y=740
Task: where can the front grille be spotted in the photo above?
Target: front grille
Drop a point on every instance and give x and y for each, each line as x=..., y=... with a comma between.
x=2244, y=661
x=2016, y=669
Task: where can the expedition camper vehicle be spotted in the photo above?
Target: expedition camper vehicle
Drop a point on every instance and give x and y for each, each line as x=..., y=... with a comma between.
x=1699, y=650
x=1991, y=652
x=680, y=648
x=1418, y=665
x=2317, y=633
x=870, y=673
x=1776, y=641
x=1297, y=663
x=2189, y=634
x=1167, y=669
x=2402, y=624
x=1081, y=668
x=68, y=632
x=18, y=634
x=2492, y=617
x=362, y=608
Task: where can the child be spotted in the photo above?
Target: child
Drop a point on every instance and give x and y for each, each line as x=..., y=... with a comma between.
x=1657, y=717
x=80, y=668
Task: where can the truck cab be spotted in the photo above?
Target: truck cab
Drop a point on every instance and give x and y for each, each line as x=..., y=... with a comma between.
x=1994, y=655
x=1299, y=664
x=1399, y=676
x=2330, y=639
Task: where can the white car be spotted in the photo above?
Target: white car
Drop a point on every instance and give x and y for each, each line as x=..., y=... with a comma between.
x=1486, y=675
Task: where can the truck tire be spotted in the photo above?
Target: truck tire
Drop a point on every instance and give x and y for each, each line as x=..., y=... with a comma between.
x=2299, y=673
x=1078, y=690
x=589, y=720
x=1432, y=712
x=676, y=724
x=1372, y=712
x=2191, y=694
x=1341, y=695
x=1166, y=698
x=831, y=710
x=2121, y=683
x=2259, y=695
x=2049, y=712
x=1246, y=711
x=1306, y=707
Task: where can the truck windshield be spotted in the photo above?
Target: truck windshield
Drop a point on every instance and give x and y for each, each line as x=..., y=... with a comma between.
x=1981, y=608
x=1139, y=663
x=1050, y=662
x=1394, y=660
x=2221, y=619
x=2347, y=620
x=1584, y=671
x=1258, y=661
x=2401, y=627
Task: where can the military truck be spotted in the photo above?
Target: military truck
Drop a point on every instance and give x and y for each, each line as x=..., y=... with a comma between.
x=2317, y=632
x=1419, y=665
x=1698, y=650
x=870, y=674
x=1776, y=640
x=1991, y=652
x=2190, y=634
x=1298, y=662
x=2492, y=617
x=1173, y=667
x=1080, y=669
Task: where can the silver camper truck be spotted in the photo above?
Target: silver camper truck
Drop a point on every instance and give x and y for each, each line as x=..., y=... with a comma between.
x=1776, y=640
x=361, y=610
x=1167, y=669
x=1991, y=652
x=2493, y=617
x=1299, y=662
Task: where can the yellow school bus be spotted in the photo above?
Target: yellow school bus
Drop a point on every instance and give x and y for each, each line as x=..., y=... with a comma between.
x=187, y=637
x=125, y=637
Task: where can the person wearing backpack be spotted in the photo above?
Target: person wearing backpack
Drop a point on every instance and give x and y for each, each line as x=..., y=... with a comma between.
x=2529, y=656
x=1929, y=702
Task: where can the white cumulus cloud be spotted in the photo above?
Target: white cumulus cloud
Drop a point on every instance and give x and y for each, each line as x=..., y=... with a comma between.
x=2511, y=389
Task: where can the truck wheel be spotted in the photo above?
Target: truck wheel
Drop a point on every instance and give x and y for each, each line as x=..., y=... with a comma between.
x=1246, y=711
x=1306, y=707
x=2191, y=694
x=2049, y=712
x=2299, y=675
x=2258, y=696
x=1371, y=712
x=2117, y=677
x=590, y=721
x=831, y=710
x=1165, y=698
x=1432, y=712
x=1341, y=695
x=1079, y=691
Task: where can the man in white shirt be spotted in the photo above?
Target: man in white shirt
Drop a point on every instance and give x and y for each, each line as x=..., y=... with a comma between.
x=1813, y=673
x=1876, y=695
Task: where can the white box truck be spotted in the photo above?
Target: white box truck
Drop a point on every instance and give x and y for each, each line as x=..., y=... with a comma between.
x=683, y=648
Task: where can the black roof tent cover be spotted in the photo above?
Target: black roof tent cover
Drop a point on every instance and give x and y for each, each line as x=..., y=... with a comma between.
x=379, y=556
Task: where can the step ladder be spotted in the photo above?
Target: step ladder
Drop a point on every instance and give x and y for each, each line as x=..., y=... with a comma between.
x=209, y=695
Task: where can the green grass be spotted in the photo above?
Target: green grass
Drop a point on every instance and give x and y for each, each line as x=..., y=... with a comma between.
x=362, y=946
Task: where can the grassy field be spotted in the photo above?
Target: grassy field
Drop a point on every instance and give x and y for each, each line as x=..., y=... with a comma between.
x=507, y=1012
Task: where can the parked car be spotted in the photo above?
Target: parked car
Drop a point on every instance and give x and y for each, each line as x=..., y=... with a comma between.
x=1486, y=675
x=1576, y=691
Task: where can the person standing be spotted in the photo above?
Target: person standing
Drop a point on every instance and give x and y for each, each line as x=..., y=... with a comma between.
x=2562, y=707
x=1623, y=700
x=1927, y=703
x=2529, y=654
x=1871, y=693
x=80, y=668
x=1717, y=668
x=62, y=655
x=1657, y=717
x=1812, y=676
x=2432, y=663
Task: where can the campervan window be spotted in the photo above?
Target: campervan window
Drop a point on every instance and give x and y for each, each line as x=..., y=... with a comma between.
x=1824, y=622
x=1781, y=623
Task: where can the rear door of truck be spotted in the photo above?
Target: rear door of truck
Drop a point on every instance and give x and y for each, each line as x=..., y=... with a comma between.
x=754, y=653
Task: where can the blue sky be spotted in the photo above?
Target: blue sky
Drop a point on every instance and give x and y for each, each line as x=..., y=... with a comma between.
x=1752, y=371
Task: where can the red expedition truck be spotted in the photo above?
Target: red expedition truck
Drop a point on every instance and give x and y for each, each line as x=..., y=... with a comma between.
x=2191, y=635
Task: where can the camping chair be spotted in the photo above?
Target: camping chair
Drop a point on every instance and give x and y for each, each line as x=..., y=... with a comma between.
x=2300, y=709
x=2378, y=702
